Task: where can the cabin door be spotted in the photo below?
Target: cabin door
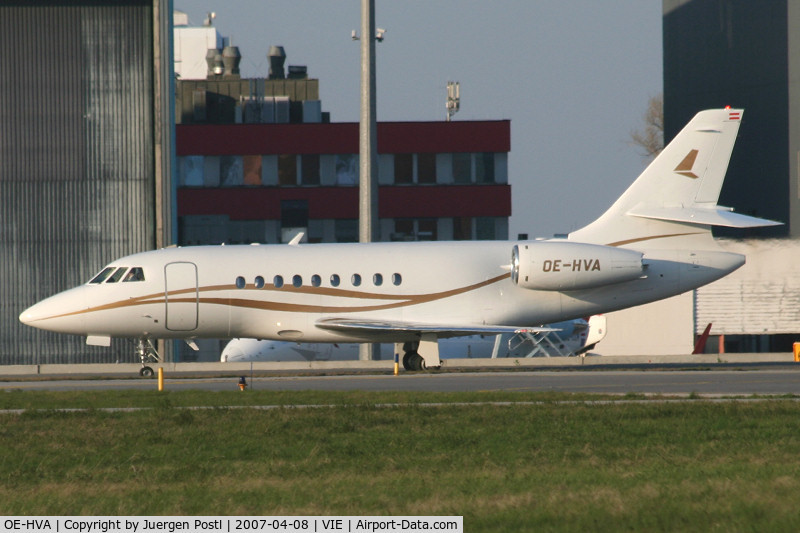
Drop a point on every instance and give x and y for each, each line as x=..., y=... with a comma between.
x=181, y=296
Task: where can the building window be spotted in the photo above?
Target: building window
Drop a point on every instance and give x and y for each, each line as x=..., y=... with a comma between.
x=403, y=169
x=409, y=229
x=230, y=170
x=309, y=164
x=403, y=229
x=427, y=230
x=347, y=169
x=252, y=169
x=346, y=230
x=462, y=168
x=484, y=229
x=294, y=214
x=462, y=228
x=190, y=170
x=426, y=168
x=484, y=167
x=287, y=169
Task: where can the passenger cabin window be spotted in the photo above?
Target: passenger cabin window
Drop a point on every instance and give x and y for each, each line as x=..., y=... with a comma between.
x=356, y=280
x=134, y=274
x=377, y=279
x=277, y=281
x=240, y=283
x=316, y=281
x=259, y=282
x=335, y=280
x=117, y=275
x=101, y=277
x=397, y=279
x=297, y=280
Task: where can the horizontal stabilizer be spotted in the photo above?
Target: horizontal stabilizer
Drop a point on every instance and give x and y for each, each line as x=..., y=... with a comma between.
x=352, y=325
x=707, y=216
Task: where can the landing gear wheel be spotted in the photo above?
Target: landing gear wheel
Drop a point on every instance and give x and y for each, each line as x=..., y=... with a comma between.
x=146, y=372
x=417, y=362
x=407, y=360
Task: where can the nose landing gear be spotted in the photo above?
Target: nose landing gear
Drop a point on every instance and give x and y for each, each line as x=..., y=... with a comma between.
x=147, y=354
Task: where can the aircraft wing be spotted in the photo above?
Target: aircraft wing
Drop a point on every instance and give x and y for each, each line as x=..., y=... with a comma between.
x=356, y=325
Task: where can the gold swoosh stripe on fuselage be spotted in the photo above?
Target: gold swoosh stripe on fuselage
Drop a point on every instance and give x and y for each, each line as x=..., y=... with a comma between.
x=652, y=237
x=399, y=300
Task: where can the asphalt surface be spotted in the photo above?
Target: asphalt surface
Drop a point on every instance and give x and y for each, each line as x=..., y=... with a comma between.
x=751, y=380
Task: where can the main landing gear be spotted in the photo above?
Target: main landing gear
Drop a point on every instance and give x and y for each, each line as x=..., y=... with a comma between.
x=420, y=355
x=147, y=354
x=411, y=359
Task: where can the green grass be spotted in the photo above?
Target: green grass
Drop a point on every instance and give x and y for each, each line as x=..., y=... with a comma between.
x=652, y=466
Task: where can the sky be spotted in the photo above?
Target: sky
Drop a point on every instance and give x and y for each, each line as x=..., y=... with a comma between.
x=573, y=76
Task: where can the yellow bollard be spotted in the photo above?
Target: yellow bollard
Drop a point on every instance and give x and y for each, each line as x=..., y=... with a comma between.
x=396, y=364
x=796, y=349
x=160, y=379
x=242, y=384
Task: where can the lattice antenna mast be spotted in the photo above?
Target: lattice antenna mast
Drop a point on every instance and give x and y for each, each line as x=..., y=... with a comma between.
x=453, y=98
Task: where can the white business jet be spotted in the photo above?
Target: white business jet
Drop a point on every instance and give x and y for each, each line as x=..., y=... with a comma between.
x=654, y=242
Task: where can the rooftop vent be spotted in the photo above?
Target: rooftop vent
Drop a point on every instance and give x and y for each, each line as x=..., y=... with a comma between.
x=214, y=62
x=298, y=72
x=276, y=56
x=230, y=60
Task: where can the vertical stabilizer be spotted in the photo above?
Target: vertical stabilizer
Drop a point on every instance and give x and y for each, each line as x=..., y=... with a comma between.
x=673, y=203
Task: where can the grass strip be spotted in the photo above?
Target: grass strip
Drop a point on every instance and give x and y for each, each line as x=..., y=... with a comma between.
x=656, y=466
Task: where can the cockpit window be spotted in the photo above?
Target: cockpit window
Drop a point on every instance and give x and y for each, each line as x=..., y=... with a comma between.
x=101, y=277
x=117, y=275
x=134, y=274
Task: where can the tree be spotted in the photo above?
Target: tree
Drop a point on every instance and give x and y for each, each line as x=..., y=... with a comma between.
x=650, y=141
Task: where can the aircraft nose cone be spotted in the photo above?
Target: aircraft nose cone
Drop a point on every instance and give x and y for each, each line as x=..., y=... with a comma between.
x=30, y=315
x=56, y=313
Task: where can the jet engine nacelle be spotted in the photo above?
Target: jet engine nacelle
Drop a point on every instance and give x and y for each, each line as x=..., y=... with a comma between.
x=564, y=266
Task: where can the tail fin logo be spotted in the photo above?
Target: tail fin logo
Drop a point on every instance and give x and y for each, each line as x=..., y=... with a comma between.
x=684, y=168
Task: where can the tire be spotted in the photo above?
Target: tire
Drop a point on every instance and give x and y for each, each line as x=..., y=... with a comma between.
x=146, y=372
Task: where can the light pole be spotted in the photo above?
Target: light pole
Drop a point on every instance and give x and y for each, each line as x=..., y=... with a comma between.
x=368, y=229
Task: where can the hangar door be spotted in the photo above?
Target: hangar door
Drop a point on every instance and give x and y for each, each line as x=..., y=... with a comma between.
x=181, y=296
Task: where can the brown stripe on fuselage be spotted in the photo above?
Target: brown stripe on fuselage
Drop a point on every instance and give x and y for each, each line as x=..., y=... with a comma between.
x=640, y=239
x=400, y=300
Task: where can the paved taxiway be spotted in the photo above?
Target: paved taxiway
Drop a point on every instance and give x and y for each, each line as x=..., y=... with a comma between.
x=757, y=380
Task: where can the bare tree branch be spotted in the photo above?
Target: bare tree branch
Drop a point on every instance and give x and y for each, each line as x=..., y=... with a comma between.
x=650, y=140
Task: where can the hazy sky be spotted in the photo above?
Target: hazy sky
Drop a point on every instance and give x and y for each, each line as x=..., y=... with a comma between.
x=573, y=76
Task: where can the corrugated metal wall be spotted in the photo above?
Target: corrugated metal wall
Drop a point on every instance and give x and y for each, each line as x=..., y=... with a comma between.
x=760, y=298
x=76, y=159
